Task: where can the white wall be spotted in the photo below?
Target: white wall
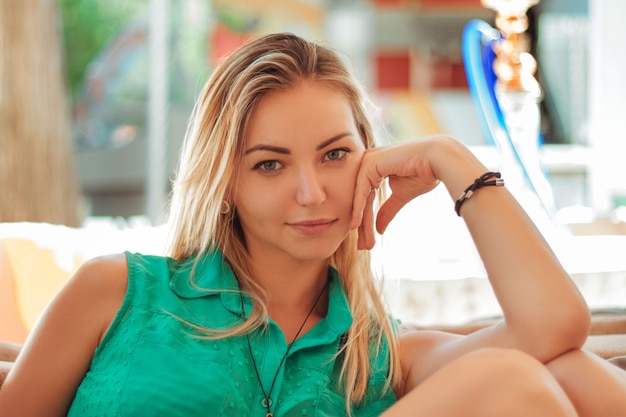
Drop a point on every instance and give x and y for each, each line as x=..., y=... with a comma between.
x=607, y=92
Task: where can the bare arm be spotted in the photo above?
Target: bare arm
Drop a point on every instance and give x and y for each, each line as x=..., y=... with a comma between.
x=544, y=314
x=59, y=350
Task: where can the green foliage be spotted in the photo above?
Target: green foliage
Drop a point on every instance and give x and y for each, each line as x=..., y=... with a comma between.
x=87, y=27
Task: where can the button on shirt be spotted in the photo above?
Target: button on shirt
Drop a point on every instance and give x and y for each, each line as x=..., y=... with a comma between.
x=152, y=362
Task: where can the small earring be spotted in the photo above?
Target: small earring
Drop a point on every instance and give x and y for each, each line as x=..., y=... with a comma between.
x=225, y=207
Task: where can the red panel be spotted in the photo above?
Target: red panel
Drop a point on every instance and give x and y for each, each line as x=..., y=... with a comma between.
x=224, y=41
x=445, y=74
x=393, y=70
x=390, y=3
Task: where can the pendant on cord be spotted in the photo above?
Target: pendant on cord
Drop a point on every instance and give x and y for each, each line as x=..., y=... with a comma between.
x=267, y=403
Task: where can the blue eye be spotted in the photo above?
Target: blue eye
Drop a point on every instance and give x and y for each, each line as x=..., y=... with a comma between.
x=335, y=154
x=268, y=166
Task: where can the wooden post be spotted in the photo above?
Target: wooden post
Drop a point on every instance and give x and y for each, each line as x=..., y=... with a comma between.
x=37, y=181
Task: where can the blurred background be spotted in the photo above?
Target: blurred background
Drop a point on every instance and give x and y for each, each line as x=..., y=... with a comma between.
x=110, y=85
x=95, y=96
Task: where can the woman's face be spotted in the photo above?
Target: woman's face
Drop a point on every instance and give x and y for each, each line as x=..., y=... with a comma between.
x=296, y=181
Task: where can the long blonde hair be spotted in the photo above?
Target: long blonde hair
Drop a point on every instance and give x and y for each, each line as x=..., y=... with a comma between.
x=213, y=149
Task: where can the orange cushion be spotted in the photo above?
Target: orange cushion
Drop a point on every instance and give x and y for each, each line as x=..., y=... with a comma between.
x=12, y=327
x=31, y=276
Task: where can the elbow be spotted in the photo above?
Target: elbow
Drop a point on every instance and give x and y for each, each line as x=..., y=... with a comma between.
x=567, y=329
x=575, y=325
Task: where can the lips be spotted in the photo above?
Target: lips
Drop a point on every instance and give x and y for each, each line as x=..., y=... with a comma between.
x=312, y=227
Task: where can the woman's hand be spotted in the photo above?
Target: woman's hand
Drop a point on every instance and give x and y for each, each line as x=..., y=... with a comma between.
x=544, y=314
x=410, y=169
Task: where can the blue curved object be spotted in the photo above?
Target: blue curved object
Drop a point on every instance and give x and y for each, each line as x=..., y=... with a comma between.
x=478, y=57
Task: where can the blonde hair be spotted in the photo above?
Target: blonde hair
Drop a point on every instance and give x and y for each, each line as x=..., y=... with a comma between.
x=213, y=149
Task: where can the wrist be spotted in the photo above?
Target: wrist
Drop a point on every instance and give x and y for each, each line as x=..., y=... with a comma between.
x=488, y=179
x=454, y=164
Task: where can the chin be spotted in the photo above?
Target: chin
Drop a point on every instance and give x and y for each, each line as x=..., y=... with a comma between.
x=317, y=252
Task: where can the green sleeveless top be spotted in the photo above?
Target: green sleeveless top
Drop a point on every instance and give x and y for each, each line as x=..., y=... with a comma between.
x=150, y=364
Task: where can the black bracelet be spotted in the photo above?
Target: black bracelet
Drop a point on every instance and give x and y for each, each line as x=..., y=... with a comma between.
x=482, y=181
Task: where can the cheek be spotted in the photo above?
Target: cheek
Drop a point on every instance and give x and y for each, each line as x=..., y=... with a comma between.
x=343, y=185
x=253, y=200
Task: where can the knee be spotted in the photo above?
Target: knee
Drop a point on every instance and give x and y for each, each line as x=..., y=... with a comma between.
x=514, y=377
x=595, y=386
x=502, y=364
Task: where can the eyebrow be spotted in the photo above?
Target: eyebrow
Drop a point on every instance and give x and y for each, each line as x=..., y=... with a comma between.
x=285, y=151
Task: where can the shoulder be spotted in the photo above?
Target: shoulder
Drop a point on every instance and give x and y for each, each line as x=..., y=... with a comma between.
x=115, y=264
x=105, y=273
x=98, y=286
x=60, y=347
x=420, y=352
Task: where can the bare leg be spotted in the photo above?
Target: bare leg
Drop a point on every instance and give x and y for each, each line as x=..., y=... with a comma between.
x=487, y=383
x=596, y=387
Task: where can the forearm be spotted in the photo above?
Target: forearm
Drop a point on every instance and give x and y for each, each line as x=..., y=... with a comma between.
x=539, y=300
x=544, y=312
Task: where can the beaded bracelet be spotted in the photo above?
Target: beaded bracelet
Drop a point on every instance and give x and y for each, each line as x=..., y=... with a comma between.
x=482, y=181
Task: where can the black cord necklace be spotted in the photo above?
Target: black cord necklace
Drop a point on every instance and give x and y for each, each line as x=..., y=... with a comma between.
x=267, y=401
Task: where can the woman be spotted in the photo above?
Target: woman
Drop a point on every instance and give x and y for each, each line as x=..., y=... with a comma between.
x=266, y=304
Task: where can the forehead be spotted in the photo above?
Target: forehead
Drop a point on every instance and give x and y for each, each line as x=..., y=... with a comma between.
x=307, y=111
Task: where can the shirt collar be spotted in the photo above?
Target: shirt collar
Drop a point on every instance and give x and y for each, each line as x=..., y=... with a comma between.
x=213, y=275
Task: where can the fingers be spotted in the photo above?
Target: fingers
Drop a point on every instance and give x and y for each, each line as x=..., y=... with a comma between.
x=387, y=212
x=409, y=175
x=366, y=184
x=366, y=227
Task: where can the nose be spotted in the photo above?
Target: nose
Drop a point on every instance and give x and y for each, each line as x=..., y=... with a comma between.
x=310, y=190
